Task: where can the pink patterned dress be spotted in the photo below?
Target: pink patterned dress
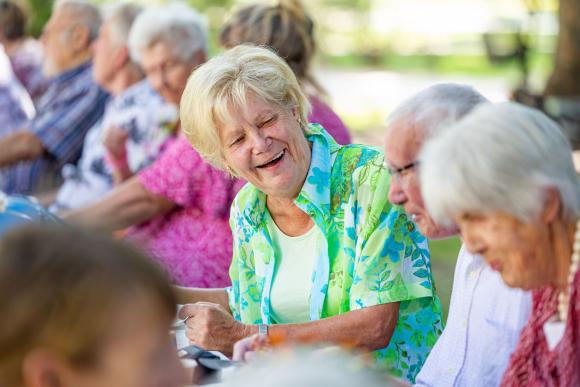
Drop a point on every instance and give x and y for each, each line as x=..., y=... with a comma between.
x=193, y=243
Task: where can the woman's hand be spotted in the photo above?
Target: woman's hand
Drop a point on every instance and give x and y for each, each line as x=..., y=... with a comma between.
x=212, y=327
x=245, y=349
x=114, y=140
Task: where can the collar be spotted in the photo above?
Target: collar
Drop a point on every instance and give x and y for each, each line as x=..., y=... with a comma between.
x=72, y=73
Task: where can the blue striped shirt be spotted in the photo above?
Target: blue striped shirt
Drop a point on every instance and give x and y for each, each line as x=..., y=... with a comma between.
x=72, y=104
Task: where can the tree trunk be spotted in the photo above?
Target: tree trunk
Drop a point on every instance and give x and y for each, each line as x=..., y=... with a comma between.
x=565, y=79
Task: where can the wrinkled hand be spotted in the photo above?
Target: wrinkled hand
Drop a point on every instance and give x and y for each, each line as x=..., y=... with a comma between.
x=211, y=327
x=246, y=349
x=114, y=140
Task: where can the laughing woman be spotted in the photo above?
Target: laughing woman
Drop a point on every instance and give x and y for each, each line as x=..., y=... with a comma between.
x=319, y=252
x=505, y=176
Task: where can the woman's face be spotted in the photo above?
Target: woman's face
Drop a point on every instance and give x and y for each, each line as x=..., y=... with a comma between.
x=264, y=144
x=520, y=252
x=165, y=71
x=139, y=352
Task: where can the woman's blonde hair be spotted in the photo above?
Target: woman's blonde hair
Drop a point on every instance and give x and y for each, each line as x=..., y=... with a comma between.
x=60, y=289
x=220, y=87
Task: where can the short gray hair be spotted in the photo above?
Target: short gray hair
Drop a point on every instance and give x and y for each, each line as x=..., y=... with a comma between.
x=121, y=17
x=500, y=158
x=437, y=107
x=86, y=14
x=177, y=25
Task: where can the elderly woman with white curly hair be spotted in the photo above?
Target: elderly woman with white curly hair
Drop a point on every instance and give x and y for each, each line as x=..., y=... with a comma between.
x=178, y=207
x=505, y=175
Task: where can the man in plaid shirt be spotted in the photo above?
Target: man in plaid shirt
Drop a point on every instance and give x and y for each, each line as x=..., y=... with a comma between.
x=32, y=156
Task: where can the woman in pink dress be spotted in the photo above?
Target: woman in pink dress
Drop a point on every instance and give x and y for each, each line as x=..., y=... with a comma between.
x=289, y=31
x=178, y=207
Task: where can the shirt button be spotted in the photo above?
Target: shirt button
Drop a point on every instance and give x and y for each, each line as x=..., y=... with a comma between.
x=449, y=370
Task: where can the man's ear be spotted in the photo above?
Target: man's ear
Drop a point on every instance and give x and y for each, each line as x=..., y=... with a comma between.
x=42, y=368
x=121, y=57
x=552, y=205
x=199, y=58
x=80, y=38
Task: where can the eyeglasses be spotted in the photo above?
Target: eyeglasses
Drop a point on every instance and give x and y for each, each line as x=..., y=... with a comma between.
x=402, y=171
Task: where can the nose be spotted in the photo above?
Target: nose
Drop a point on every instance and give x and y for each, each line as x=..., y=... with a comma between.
x=396, y=193
x=261, y=142
x=471, y=239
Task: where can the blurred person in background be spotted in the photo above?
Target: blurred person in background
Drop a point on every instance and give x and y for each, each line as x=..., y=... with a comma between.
x=134, y=108
x=25, y=53
x=505, y=175
x=178, y=207
x=83, y=310
x=319, y=252
x=16, y=107
x=32, y=157
x=485, y=316
x=287, y=28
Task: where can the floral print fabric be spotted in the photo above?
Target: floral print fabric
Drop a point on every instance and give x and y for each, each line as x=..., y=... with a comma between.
x=373, y=253
x=193, y=242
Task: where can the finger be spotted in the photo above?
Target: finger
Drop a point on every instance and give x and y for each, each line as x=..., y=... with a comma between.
x=241, y=347
x=188, y=310
x=192, y=310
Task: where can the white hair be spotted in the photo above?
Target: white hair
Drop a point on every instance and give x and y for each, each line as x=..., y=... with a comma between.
x=436, y=107
x=500, y=158
x=86, y=14
x=305, y=367
x=120, y=17
x=177, y=25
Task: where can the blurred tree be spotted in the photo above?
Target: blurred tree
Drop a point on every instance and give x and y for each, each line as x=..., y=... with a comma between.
x=39, y=14
x=205, y=4
x=565, y=79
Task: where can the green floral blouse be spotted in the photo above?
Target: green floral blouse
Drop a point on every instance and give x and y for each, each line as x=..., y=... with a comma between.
x=373, y=254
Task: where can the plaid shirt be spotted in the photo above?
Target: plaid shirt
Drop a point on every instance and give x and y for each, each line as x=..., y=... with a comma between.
x=72, y=104
x=15, y=105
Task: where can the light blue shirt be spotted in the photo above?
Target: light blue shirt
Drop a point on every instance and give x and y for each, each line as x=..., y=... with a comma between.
x=483, y=328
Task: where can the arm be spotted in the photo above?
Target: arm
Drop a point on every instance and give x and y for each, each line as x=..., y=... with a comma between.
x=129, y=204
x=20, y=146
x=47, y=198
x=368, y=329
x=115, y=139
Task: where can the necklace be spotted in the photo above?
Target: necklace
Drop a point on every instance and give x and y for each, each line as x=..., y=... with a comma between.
x=564, y=297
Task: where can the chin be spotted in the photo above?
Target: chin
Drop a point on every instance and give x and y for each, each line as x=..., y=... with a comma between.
x=514, y=282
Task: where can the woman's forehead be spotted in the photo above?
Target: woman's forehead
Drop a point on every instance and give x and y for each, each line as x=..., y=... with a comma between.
x=246, y=110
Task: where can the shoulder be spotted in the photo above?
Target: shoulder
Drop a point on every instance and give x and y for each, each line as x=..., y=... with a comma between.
x=360, y=164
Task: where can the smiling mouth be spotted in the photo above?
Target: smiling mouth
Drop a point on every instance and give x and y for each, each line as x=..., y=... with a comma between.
x=273, y=161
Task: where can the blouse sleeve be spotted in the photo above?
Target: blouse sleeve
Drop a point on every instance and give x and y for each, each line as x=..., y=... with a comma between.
x=392, y=257
x=177, y=174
